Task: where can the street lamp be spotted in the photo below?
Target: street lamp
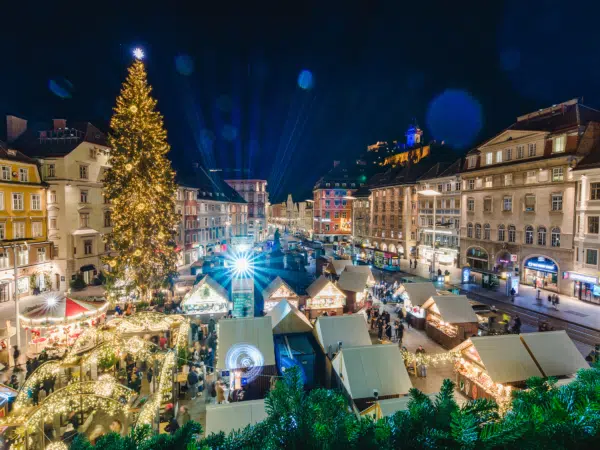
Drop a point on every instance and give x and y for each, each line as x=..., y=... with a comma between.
x=350, y=197
x=434, y=194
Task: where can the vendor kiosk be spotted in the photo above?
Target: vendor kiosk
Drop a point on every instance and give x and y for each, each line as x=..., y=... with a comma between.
x=276, y=291
x=324, y=297
x=450, y=319
x=414, y=295
x=207, y=297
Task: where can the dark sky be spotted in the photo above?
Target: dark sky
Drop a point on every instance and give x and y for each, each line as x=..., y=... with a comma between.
x=227, y=82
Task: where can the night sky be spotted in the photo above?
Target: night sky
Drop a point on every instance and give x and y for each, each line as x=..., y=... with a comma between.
x=229, y=84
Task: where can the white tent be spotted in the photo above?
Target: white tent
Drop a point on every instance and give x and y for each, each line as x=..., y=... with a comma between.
x=353, y=281
x=339, y=265
x=234, y=416
x=244, y=338
x=362, y=269
x=554, y=353
x=278, y=289
x=287, y=319
x=350, y=330
x=452, y=308
x=207, y=297
x=417, y=293
x=380, y=367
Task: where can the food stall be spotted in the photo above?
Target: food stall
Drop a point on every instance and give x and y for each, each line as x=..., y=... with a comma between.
x=450, y=319
x=324, y=297
x=276, y=291
x=206, y=297
x=354, y=287
x=58, y=322
x=414, y=295
x=491, y=366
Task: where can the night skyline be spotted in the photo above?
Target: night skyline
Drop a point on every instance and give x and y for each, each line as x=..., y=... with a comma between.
x=228, y=86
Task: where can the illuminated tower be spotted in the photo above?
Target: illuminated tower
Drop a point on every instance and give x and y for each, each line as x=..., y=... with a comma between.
x=413, y=135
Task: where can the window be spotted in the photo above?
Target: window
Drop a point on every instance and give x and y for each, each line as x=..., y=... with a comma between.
x=83, y=172
x=499, y=156
x=1, y=200
x=541, y=236
x=6, y=173
x=530, y=203
x=51, y=170
x=448, y=187
x=53, y=223
x=477, y=231
x=594, y=191
x=501, y=233
x=41, y=254
x=489, y=182
x=593, y=225
x=470, y=184
x=512, y=233
x=23, y=258
x=107, y=219
x=557, y=174
x=487, y=204
x=471, y=162
x=440, y=187
x=531, y=177
x=470, y=230
x=83, y=197
x=470, y=204
x=520, y=151
x=36, y=229
x=3, y=260
x=555, y=237
x=17, y=202
x=529, y=235
x=508, y=154
x=457, y=186
x=591, y=256
x=36, y=202
x=84, y=220
x=87, y=247
x=531, y=149
x=557, y=202
x=559, y=144
x=23, y=175
x=2, y=230
x=486, y=232
x=507, y=203
x=52, y=197
x=489, y=158
x=336, y=215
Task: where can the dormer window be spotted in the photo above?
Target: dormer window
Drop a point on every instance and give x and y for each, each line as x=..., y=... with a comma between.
x=12, y=152
x=559, y=144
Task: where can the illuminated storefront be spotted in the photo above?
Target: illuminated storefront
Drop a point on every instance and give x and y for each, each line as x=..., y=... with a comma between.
x=540, y=272
x=585, y=287
x=385, y=260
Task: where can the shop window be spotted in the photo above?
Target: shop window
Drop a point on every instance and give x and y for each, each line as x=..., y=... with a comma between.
x=501, y=233
x=470, y=230
x=541, y=236
x=593, y=225
x=591, y=256
x=529, y=235
x=555, y=237
x=486, y=232
x=512, y=233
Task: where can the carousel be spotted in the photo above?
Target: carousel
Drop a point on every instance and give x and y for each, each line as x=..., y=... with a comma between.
x=57, y=323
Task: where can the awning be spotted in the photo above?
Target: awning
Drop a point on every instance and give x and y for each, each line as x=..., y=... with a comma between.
x=87, y=268
x=63, y=312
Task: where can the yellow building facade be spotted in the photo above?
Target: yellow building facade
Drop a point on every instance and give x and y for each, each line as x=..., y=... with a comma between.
x=23, y=227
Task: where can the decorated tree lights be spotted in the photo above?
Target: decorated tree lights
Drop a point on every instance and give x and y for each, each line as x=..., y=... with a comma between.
x=141, y=187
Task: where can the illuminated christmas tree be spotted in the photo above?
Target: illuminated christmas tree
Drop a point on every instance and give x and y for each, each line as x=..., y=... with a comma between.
x=141, y=187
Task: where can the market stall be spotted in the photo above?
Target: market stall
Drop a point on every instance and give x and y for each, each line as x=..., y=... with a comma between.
x=555, y=353
x=414, y=295
x=337, y=266
x=347, y=331
x=206, y=297
x=234, y=416
x=58, y=322
x=363, y=269
x=354, y=287
x=276, y=291
x=491, y=366
x=324, y=297
x=287, y=319
x=450, y=319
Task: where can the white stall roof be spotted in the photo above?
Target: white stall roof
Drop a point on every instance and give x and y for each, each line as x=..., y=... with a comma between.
x=339, y=265
x=319, y=284
x=362, y=269
x=353, y=281
x=505, y=358
x=351, y=330
x=234, y=416
x=418, y=293
x=279, y=287
x=363, y=369
x=554, y=352
x=287, y=319
x=254, y=331
x=452, y=308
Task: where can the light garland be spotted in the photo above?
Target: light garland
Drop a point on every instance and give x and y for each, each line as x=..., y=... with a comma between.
x=44, y=372
x=146, y=321
x=429, y=360
x=165, y=385
x=46, y=322
x=57, y=446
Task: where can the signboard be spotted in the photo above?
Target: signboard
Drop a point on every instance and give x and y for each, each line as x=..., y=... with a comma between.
x=466, y=275
x=242, y=296
x=580, y=277
x=514, y=258
x=542, y=264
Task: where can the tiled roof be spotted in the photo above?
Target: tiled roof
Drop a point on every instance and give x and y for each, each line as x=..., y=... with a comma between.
x=14, y=155
x=209, y=184
x=558, y=118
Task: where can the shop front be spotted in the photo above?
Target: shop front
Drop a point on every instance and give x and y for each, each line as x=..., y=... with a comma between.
x=585, y=287
x=477, y=258
x=540, y=272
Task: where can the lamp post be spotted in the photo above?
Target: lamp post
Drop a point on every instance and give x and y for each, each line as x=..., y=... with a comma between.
x=434, y=194
x=350, y=197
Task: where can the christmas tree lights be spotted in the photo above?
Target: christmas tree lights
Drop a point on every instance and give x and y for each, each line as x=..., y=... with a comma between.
x=140, y=185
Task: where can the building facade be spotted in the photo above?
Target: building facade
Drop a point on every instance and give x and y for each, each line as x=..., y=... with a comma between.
x=23, y=226
x=73, y=161
x=445, y=180
x=518, y=196
x=254, y=192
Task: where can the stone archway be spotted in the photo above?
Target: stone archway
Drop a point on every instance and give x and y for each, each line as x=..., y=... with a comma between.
x=384, y=247
x=478, y=258
x=541, y=271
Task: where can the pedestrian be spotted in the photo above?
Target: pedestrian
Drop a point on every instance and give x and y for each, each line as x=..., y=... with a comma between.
x=209, y=360
x=415, y=263
x=162, y=342
x=212, y=325
x=388, y=331
x=517, y=325
x=16, y=354
x=184, y=417
x=380, y=328
x=512, y=294
x=149, y=375
x=539, y=294
x=422, y=368
x=220, y=392
x=400, y=333
x=192, y=381
x=172, y=426
x=396, y=329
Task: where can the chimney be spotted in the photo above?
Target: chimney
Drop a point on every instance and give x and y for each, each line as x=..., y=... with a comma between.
x=15, y=127
x=336, y=163
x=59, y=124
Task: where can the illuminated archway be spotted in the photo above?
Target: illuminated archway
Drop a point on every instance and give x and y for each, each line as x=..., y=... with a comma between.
x=478, y=258
x=392, y=248
x=384, y=247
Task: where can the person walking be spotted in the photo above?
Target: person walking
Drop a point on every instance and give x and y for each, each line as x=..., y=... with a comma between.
x=396, y=329
x=192, y=381
x=400, y=333
x=149, y=375
x=388, y=331
x=517, y=325
x=380, y=328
